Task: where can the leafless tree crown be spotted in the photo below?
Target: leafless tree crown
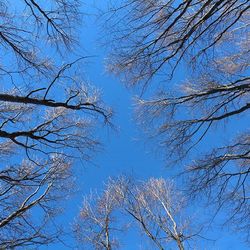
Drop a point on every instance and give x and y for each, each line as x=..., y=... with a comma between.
x=47, y=113
x=154, y=207
x=207, y=42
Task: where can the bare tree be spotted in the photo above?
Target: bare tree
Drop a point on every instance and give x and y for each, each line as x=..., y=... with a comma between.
x=152, y=35
x=47, y=114
x=209, y=40
x=152, y=41
x=160, y=211
x=97, y=225
x=154, y=205
x=30, y=195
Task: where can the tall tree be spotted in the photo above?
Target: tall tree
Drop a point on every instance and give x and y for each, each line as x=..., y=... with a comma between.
x=209, y=40
x=97, y=225
x=47, y=113
x=154, y=208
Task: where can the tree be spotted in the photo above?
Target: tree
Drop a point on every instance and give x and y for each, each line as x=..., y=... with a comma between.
x=154, y=205
x=47, y=113
x=152, y=41
x=97, y=226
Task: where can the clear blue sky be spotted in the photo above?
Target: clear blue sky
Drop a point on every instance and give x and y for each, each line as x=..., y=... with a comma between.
x=124, y=151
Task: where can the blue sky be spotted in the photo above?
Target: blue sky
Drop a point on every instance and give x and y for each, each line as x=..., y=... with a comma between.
x=124, y=150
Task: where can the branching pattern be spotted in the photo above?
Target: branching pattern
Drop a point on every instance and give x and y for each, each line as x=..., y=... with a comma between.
x=155, y=40
x=154, y=207
x=47, y=116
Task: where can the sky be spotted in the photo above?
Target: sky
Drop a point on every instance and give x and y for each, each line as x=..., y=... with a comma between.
x=125, y=151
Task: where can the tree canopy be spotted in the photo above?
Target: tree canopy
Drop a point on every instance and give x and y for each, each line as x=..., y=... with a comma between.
x=152, y=42
x=47, y=112
x=188, y=63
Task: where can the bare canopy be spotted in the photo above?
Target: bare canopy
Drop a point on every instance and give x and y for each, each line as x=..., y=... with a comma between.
x=47, y=113
x=207, y=44
x=154, y=208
